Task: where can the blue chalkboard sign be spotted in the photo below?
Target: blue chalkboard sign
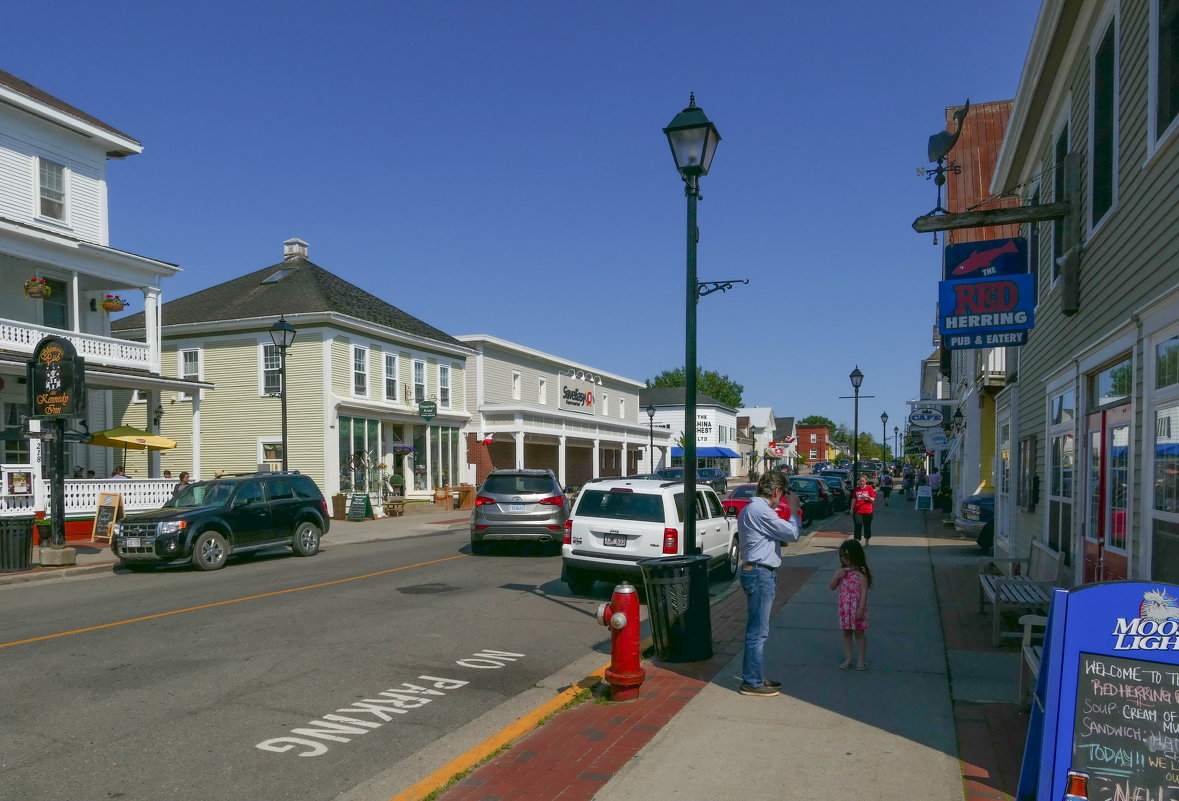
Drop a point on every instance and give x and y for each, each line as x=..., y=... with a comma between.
x=1107, y=698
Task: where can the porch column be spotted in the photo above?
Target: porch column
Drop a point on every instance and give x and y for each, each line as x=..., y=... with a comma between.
x=153, y=457
x=597, y=457
x=561, y=459
x=196, y=435
x=623, y=469
x=519, y=437
x=152, y=334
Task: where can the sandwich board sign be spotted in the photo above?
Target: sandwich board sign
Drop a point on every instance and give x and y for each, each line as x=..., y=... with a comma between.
x=924, y=499
x=1106, y=701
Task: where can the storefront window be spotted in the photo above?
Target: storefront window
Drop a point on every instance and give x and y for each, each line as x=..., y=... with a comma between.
x=419, y=457
x=1164, y=558
x=1166, y=459
x=1064, y=407
x=360, y=453
x=16, y=451
x=1112, y=384
x=1167, y=363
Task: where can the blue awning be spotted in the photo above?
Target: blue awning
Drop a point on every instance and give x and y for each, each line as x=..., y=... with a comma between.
x=703, y=453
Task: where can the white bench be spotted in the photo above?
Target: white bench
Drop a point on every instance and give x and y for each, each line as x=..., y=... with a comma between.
x=1029, y=590
x=1030, y=653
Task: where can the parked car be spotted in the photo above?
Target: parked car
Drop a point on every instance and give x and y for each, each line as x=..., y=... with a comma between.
x=976, y=519
x=819, y=467
x=840, y=496
x=844, y=475
x=615, y=523
x=738, y=498
x=209, y=521
x=712, y=476
x=518, y=506
x=869, y=469
x=815, y=496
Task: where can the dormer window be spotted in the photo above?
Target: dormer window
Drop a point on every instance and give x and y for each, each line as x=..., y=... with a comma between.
x=52, y=190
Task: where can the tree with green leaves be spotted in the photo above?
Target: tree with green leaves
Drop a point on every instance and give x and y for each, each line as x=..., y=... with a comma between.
x=709, y=383
x=817, y=420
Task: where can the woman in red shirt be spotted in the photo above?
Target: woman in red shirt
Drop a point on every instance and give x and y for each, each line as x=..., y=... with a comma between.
x=863, y=497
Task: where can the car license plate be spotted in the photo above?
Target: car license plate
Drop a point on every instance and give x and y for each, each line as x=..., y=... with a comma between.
x=614, y=540
x=515, y=507
x=132, y=542
x=972, y=515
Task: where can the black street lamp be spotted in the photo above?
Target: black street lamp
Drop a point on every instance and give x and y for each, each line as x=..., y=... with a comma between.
x=884, y=436
x=651, y=421
x=857, y=378
x=282, y=334
x=693, y=141
x=896, y=447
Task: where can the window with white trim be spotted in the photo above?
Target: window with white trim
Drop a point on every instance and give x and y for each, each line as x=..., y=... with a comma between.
x=419, y=381
x=1103, y=123
x=190, y=368
x=542, y=392
x=391, y=377
x=51, y=187
x=444, y=386
x=360, y=371
x=814, y=437
x=515, y=385
x=270, y=454
x=1164, y=72
x=1062, y=412
x=814, y=453
x=1164, y=507
x=605, y=405
x=271, y=369
x=622, y=408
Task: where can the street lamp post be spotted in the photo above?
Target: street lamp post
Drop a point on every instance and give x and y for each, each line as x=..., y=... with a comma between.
x=896, y=447
x=651, y=421
x=753, y=432
x=883, y=436
x=693, y=139
x=857, y=378
x=282, y=334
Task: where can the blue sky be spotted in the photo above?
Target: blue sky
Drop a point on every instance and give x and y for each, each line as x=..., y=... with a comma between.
x=500, y=168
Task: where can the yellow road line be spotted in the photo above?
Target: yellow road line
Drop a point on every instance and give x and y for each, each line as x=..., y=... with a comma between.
x=518, y=728
x=225, y=603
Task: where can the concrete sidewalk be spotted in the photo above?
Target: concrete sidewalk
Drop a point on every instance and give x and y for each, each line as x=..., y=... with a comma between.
x=419, y=518
x=933, y=717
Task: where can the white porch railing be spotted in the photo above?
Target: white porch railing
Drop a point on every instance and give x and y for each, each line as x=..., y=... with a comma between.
x=992, y=366
x=81, y=496
x=23, y=338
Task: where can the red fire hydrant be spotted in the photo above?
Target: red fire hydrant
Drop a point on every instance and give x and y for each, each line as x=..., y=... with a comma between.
x=625, y=674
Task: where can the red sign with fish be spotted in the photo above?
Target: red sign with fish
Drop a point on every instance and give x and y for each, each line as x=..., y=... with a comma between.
x=986, y=259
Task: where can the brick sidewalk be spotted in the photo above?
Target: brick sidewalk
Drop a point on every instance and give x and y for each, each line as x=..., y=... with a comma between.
x=573, y=755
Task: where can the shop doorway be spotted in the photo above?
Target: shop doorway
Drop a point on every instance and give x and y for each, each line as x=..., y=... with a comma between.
x=1107, y=483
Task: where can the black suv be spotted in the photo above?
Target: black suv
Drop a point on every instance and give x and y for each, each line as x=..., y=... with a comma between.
x=208, y=521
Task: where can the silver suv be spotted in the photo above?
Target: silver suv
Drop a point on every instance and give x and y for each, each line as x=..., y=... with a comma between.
x=518, y=506
x=616, y=522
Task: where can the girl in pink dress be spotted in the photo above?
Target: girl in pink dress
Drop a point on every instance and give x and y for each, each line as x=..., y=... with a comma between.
x=853, y=580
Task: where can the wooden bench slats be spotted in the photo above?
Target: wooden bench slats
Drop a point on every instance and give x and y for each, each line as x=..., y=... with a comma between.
x=1032, y=654
x=1031, y=590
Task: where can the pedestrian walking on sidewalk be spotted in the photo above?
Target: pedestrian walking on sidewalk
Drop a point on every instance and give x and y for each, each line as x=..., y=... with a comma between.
x=886, y=487
x=907, y=485
x=863, y=498
x=760, y=530
x=853, y=579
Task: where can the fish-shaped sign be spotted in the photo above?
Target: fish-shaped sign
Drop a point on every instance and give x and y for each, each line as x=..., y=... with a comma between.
x=986, y=259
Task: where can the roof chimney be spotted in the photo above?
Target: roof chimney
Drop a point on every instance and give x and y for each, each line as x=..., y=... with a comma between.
x=294, y=249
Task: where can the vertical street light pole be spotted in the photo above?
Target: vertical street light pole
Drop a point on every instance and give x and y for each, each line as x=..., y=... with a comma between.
x=282, y=334
x=857, y=378
x=884, y=436
x=896, y=446
x=651, y=422
x=693, y=141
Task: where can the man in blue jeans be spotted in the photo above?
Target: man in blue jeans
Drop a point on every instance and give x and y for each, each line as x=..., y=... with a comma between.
x=760, y=531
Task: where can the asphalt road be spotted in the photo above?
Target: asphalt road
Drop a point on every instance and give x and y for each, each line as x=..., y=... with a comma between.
x=187, y=685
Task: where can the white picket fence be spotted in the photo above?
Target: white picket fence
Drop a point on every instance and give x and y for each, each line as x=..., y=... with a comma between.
x=81, y=496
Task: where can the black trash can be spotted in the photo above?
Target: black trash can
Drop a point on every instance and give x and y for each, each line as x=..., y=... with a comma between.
x=677, y=603
x=16, y=545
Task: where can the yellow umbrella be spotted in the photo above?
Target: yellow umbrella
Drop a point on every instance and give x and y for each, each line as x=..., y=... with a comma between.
x=129, y=437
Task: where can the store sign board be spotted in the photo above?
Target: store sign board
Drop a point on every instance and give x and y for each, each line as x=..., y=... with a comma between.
x=985, y=259
x=56, y=380
x=428, y=410
x=986, y=312
x=576, y=394
x=925, y=417
x=936, y=439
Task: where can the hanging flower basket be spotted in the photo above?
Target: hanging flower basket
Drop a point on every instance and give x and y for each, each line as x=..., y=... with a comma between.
x=113, y=303
x=401, y=450
x=37, y=288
